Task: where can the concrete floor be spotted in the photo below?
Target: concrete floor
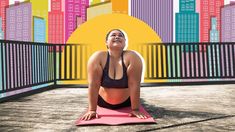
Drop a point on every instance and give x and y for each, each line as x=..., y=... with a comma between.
x=175, y=108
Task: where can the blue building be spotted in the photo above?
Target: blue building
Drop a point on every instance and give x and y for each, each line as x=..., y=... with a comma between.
x=214, y=37
x=214, y=33
x=39, y=29
x=1, y=31
x=1, y=37
x=187, y=22
x=39, y=35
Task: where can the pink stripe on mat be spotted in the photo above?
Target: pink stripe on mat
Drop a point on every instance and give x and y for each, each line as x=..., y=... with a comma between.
x=116, y=117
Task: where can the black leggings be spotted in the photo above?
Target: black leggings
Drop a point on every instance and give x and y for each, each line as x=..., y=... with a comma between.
x=103, y=103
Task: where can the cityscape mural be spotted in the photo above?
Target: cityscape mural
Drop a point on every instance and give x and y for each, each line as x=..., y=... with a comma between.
x=172, y=20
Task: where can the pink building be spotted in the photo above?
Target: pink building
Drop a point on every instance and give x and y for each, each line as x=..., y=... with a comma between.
x=208, y=9
x=3, y=5
x=75, y=14
x=79, y=21
x=56, y=23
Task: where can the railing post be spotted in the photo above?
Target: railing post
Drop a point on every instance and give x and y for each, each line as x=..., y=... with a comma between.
x=54, y=56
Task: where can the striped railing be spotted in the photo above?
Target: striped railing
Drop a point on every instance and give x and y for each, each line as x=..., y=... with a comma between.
x=25, y=64
x=28, y=64
x=189, y=61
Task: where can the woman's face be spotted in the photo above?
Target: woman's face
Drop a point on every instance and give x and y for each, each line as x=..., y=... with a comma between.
x=116, y=39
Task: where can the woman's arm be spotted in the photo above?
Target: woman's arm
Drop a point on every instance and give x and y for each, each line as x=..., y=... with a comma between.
x=134, y=72
x=94, y=79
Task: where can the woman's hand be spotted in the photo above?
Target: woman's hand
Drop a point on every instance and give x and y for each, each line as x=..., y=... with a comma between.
x=138, y=114
x=89, y=115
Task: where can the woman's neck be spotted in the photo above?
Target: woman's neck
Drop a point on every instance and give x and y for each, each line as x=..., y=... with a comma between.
x=115, y=54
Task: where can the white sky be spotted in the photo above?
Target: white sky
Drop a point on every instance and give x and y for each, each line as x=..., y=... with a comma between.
x=12, y=1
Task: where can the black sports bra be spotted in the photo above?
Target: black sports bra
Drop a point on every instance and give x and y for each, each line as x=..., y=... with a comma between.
x=108, y=82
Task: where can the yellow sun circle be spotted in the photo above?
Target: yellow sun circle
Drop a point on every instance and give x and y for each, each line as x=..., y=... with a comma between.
x=93, y=32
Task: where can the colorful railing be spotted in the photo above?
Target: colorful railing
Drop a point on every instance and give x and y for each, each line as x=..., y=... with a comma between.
x=28, y=64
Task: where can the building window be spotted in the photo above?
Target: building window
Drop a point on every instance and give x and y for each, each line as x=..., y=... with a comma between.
x=70, y=7
x=70, y=17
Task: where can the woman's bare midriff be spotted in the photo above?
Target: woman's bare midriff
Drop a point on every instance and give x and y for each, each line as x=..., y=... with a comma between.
x=114, y=95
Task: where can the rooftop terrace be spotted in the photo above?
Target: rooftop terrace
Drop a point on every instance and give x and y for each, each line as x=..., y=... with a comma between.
x=175, y=108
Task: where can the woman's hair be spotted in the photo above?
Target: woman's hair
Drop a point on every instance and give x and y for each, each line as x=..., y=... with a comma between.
x=107, y=35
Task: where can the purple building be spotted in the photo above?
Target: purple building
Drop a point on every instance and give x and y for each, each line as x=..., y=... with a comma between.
x=228, y=35
x=74, y=9
x=228, y=23
x=19, y=22
x=19, y=28
x=158, y=14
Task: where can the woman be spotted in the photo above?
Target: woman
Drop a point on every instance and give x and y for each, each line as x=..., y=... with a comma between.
x=114, y=77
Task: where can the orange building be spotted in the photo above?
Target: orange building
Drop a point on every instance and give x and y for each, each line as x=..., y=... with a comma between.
x=99, y=7
x=120, y=6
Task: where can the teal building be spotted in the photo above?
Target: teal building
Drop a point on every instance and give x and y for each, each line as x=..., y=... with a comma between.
x=186, y=31
x=187, y=22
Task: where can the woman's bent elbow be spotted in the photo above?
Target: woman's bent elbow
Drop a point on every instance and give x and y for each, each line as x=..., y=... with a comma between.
x=94, y=85
x=133, y=84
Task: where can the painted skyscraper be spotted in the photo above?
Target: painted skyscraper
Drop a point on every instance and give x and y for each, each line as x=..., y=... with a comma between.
x=120, y=6
x=1, y=31
x=39, y=29
x=208, y=9
x=214, y=37
x=187, y=22
x=228, y=23
x=75, y=14
x=41, y=11
x=19, y=22
x=83, y=6
x=56, y=23
x=107, y=7
x=19, y=28
x=1, y=61
x=158, y=14
x=3, y=5
x=99, y=9
x=214, y=33
x=95, y=2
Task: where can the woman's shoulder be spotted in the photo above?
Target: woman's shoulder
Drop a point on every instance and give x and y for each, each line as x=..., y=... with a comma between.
x=97, y=56
x=99, y=53
x=132, y=54
x=133, y=57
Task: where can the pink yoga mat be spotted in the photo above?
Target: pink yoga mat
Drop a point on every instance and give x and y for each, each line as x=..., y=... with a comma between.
x=116, y=117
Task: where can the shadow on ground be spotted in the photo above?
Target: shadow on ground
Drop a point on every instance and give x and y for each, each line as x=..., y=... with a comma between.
x=182, y=118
